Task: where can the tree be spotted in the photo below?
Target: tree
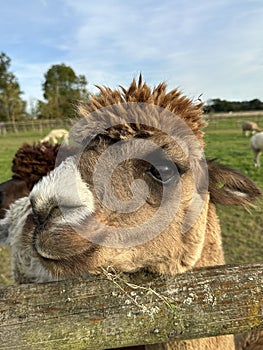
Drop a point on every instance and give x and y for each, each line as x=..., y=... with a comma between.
x=256, y=104
x=62, y=90
x=12, y=107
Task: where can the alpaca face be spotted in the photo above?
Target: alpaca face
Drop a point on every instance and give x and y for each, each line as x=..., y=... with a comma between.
x=120, y=198
x=137, y=193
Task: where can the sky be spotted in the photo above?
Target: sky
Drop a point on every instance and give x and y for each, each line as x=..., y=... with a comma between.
x=207, y=48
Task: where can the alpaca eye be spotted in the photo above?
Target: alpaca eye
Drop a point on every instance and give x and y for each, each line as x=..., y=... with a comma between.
x=164, y=173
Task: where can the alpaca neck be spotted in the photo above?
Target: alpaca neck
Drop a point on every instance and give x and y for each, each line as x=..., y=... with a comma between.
x=212, y=253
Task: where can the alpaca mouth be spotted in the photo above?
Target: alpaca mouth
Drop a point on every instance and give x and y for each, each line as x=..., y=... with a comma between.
x=45, y=253
x=56, y=243
x=60, y=256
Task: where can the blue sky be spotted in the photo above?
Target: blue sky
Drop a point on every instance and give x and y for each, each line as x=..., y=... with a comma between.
x=212, y=48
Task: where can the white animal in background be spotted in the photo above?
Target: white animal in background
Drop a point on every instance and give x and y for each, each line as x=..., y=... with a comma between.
x=256, y=144
x=56, y=135
x=250, y=128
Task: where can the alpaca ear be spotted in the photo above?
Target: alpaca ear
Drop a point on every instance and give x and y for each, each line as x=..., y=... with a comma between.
x=229, y=187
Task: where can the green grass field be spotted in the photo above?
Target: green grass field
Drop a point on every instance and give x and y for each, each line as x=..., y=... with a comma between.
x=241, y=228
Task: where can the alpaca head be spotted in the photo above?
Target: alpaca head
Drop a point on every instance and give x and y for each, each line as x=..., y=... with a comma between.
x=136, y=194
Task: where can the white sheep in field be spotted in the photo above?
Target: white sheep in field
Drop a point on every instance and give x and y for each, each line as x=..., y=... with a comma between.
x=56, y=136
x=139, y=196
x=256, y=144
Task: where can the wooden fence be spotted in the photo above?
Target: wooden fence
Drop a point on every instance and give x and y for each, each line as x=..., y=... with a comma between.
x=116, y=310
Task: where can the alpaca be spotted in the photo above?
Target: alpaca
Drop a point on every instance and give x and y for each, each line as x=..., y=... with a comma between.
x=250, y=128
x=256, y=144
x=55, y=135
x=138, y=194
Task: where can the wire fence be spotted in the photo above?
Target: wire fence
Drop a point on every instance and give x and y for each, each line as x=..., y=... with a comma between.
x=37, y=125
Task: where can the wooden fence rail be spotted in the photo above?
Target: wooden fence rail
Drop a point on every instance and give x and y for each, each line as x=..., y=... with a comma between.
x=117, y=310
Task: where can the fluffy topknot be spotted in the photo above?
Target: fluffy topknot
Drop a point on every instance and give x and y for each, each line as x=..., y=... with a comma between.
x=32, y=162
x=138, y=92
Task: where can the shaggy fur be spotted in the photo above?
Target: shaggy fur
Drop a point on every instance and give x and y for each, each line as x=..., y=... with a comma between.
x=249, y=128
x=24, y=265
x=69, y=226
x=10, y=191
x=249, y=341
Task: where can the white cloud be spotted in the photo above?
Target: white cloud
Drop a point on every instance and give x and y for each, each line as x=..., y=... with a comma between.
x=191, y=42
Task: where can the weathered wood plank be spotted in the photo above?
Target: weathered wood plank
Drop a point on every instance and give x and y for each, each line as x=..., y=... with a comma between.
x=101, y=312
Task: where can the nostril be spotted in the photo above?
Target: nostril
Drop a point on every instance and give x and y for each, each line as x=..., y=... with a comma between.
x=55, y=211
x=40, y=217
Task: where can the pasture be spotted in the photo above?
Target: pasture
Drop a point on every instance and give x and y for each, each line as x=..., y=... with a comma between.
x=241, y=228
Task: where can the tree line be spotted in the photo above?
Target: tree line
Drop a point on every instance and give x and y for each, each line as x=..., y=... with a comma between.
x=217, y=106
x=62, y=88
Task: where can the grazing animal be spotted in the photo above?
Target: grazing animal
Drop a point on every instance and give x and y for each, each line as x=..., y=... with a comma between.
x=138, y=195
x=256, y=144
x=250, y=128
x=56, y=135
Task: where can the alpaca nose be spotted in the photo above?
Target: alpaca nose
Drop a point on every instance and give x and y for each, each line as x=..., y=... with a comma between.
x=42, y=215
